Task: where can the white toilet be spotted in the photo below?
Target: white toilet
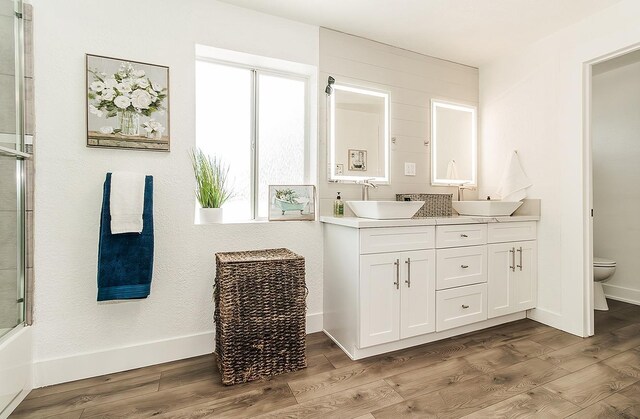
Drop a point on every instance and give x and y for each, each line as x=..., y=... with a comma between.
x=602, y=270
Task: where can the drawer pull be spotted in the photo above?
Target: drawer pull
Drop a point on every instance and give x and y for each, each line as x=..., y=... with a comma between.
x=464, y=266
x=397, y=281
x=465, y=306
x=408, y=281
x=464, y=236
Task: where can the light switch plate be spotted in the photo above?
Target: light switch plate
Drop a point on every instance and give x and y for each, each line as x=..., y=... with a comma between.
x=409, y=169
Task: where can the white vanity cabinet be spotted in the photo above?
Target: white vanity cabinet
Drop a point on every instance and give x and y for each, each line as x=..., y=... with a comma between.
x=397, y=293
x=393, y=284
x=461, y=296
x=513, y=270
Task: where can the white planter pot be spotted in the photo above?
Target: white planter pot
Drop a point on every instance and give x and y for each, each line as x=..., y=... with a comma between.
x=210, y=215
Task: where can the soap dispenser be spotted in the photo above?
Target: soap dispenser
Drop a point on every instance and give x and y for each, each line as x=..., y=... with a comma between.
x=338, y=207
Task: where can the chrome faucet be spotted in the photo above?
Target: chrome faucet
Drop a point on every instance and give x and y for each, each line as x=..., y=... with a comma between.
x=461, y=189
x=366, y=184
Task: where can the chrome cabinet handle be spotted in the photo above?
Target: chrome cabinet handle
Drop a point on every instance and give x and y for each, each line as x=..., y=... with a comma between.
x=513, y=259
x=464, y=266
x=408, y=281
x=397, y=282
x=465, y=306
x=520, y=251
x=464, y=236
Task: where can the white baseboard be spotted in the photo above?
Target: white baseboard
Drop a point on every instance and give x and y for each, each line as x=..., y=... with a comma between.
x=48, y=372
x=626, y=295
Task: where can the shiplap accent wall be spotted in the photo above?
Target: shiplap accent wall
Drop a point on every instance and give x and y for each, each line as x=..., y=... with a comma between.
x=412, y=80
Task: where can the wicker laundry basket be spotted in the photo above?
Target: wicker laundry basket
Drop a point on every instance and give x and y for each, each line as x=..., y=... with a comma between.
x=259, y=314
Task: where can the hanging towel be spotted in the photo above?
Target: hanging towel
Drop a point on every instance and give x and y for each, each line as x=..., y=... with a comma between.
x=125, y=261
x=452, y=170
x=127, y=202
x=514, y=181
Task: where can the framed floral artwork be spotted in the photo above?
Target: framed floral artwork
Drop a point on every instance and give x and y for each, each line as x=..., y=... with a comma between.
x=127, y=104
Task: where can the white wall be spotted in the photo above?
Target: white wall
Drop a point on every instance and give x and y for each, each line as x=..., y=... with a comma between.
x=532, y=101
x=75, y=336
x=616, y=173
x=412, y=80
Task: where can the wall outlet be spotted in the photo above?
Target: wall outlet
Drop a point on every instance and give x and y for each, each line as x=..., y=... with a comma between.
x=409, y=169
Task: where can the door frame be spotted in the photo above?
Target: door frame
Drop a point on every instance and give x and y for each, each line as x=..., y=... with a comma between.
x=587, y=147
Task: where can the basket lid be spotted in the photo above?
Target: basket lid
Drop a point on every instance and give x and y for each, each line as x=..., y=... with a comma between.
x=257, y=256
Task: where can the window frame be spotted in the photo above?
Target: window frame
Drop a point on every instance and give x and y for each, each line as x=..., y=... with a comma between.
x=254, y=119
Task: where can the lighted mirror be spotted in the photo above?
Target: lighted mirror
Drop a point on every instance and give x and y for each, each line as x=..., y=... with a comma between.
x=454, y=143
x=358, y=134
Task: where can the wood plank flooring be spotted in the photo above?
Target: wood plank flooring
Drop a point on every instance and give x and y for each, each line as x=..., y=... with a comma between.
x=521, y=369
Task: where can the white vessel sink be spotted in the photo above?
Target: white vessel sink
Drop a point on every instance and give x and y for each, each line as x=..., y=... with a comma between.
x=486, y=208
x=385, y=210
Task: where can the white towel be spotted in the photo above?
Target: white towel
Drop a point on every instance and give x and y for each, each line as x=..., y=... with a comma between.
x=452, y=170
x=126, y=202
x=514, y=181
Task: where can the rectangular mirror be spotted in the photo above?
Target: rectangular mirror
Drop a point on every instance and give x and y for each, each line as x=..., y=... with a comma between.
x=358, y=134
x=454, y=143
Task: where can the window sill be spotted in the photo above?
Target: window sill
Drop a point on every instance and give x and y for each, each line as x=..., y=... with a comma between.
x=259, y=221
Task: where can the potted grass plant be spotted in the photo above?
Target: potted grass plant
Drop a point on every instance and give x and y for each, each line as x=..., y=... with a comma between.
x=212, y=185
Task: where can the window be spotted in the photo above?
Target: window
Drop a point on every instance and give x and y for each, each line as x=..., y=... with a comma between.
x=255, y=120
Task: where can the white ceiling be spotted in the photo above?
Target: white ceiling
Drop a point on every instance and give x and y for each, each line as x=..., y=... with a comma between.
x=471, y=32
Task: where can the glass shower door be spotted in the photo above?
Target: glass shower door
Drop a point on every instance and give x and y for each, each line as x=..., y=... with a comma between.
x=11, y=167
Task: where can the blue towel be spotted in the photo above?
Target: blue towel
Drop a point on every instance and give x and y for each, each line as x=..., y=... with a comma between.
x=125, y=261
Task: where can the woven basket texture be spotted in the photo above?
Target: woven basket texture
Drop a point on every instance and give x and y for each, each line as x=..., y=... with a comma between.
x=435, y=204
x=260, y=314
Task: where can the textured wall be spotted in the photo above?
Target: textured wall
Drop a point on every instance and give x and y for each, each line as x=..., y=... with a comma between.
x=412, y=80
x=532, y=101
x=68, y=321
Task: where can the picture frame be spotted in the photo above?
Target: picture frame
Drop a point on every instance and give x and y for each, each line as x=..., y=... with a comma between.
x=292, y=203
x=357, y=160
x=127, y=104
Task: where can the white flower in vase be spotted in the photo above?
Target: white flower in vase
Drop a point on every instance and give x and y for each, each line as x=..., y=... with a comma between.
x=142, y=83
x=140, y=99
x=125, y=86
x=106, y=130
x=108, y=94
x=97, y=86
x=138, y=73
x=156, y=87
x=110, y=82
x=122, y=102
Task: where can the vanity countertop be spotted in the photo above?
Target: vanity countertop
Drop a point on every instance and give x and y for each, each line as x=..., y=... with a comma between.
x=356, y=222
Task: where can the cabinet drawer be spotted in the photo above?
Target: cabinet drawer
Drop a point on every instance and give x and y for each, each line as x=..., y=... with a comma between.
x=511, y=232
x=460, y=266
x=394, y=239
x=457, y=307
x=461, y=235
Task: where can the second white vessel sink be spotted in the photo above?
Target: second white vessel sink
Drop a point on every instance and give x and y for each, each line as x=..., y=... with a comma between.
x=385, y=210
x=486, y=208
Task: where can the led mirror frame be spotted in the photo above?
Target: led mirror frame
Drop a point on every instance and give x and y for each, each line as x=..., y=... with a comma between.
x=332, y=136
x=435, y=104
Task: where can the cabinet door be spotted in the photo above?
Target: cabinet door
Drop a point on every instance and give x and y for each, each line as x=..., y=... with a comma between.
x=418, y=293
x=501, y=274
x=525, y=285
x=379, y=298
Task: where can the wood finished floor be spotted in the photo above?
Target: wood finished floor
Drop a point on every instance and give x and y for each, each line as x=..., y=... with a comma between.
x=521, y=369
